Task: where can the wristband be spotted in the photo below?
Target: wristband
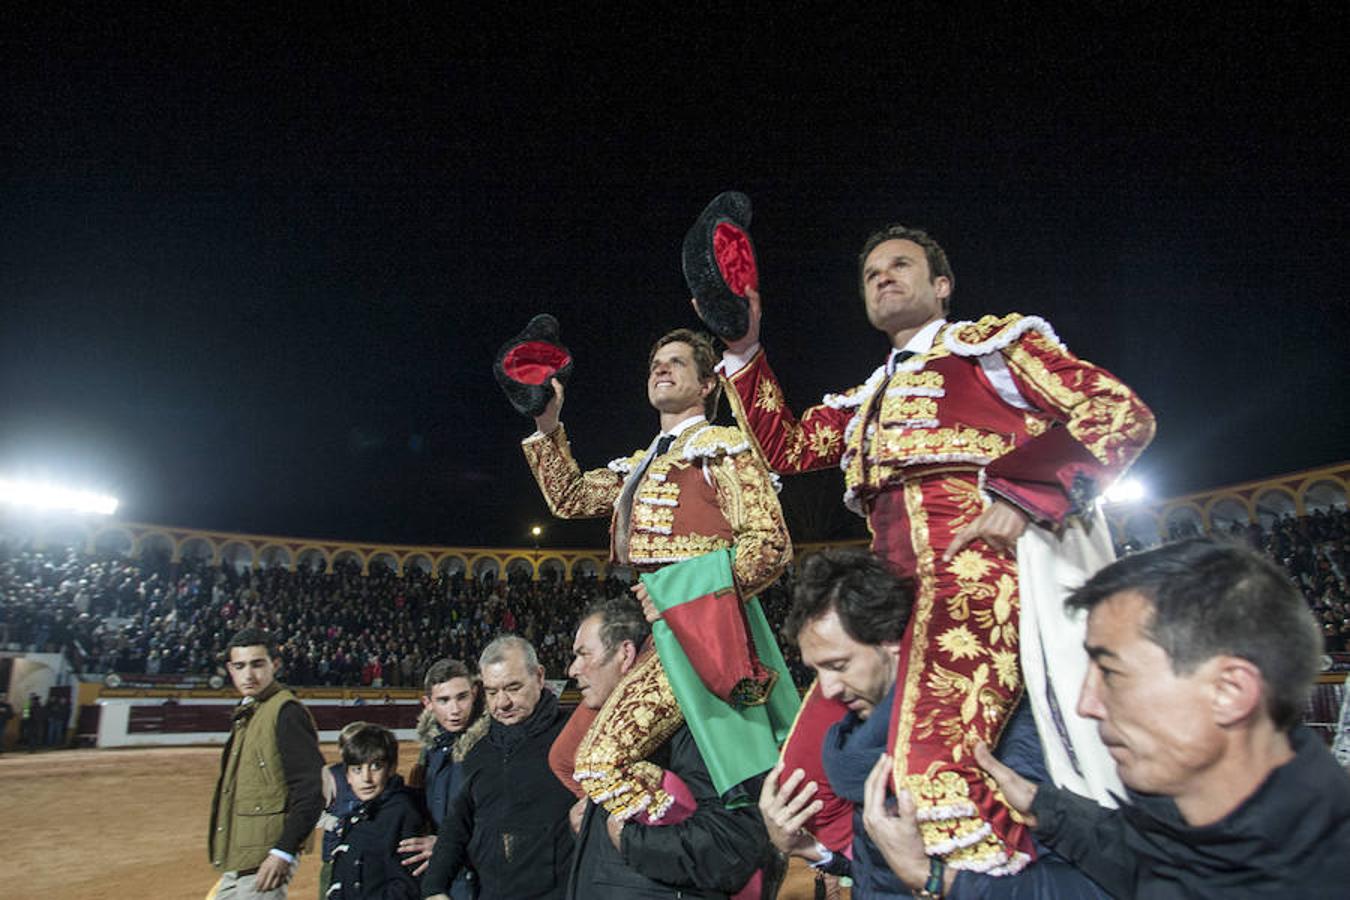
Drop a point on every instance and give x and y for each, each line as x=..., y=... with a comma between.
x=932, y=888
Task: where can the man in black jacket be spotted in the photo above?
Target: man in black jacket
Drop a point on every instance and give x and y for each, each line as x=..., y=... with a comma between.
x=509, y=820
x=1202, y=655
x=705, y=845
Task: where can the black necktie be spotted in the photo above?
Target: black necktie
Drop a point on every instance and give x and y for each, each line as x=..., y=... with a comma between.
x=904, y=355
x=663, y=443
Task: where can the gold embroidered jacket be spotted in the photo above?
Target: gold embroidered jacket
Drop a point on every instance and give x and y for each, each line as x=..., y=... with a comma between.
x=708, y=492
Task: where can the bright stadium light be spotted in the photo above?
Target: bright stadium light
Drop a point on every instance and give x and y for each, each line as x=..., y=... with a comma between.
x=50, y=496
x=1126, y=490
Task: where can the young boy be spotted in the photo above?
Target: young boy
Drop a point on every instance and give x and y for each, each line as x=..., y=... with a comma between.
x=339, y=801
x=366, y=865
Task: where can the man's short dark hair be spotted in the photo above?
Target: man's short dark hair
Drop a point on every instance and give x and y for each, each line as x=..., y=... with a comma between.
x=706, y=359
x=1213, y=598
x=621, y=619
x=443, y=670
x=252, y=637
x=873, y=602
x=371, y=744
x=932, y=250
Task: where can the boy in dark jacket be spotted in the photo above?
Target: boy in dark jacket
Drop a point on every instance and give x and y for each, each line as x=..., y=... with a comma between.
x=366, y=865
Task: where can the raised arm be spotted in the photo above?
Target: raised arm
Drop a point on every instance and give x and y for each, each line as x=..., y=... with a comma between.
x=789, y=445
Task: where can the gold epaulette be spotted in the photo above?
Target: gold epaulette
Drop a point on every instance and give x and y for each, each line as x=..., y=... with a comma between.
x=855, y=396
x=625, y=464
x=993, y=333
x=715, y=440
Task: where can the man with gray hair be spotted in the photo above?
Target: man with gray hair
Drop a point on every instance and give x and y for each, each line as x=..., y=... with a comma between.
x=509, y=820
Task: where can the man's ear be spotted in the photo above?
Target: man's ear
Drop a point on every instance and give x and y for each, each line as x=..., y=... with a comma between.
x=1239, y=690
x=942, y=287
x=891, y=649
x=630, y=654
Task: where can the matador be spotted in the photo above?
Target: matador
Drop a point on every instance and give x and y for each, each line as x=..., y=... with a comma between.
x=967, y=432
x=696, y=492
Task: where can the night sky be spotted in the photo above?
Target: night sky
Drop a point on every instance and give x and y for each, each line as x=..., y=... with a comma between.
x=253, y=271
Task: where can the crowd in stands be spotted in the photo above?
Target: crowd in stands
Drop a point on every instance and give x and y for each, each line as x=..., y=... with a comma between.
x=113, y=614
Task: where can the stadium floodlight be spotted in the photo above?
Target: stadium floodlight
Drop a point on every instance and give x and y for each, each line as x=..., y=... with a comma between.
x=1126, y=490
x=54, y=497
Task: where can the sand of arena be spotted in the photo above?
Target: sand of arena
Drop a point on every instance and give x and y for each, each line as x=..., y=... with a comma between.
x=90, y=824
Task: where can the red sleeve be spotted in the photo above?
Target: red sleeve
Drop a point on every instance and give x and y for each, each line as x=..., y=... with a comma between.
x=789, y=444
x=1101, y=428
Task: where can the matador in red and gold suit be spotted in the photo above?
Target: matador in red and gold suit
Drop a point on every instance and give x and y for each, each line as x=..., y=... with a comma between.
x=965, y=433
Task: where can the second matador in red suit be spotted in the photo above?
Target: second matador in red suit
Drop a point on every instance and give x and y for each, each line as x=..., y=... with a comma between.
x=966, y=432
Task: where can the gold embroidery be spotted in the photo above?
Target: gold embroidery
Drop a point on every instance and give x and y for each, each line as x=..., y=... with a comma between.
x=768, y=397
x=926, y=580
x=639, y=716
x=1034, y=424
x=960, y=643
x=894, y=445
x=792, y=447
x=750, y=505
x=824, y=440
x=964, y=493
x=651, y=518
x=969, y=565
x=1111, y=421
x=1005, y=665
x=997, y=619
x=647, y=548
x=906, y=408
x=928, y=378
x=569, y=493
x=951, y=828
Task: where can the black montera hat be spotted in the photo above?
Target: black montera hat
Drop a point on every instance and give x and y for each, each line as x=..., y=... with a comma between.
x=526, y=364
x=719, y=264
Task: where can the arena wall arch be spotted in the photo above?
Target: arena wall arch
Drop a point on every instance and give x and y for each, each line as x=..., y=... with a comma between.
x=486, y=563
x=1325, y=493
x=154, y=543
x=275, y=556
x=1181, y=520
x=312, y=557
x=552, y=567
x=584, y=567
x=383, y=559
x=238, y=555
x=451, y=564
x=348, y=555
x=1273, y=503
x=1224, y=509
x=520, y=566
x=1141, y=529
x=196, y=547
x=419, y=561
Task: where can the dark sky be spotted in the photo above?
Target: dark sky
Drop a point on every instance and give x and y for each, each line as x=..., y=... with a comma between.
x=254, y=269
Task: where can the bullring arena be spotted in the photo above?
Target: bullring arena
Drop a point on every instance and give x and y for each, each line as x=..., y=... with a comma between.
x=118, y=804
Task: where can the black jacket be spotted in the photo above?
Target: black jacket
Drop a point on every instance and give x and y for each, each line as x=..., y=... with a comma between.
x=711, y=854
x=1291, y=838
x=366, y=865
x=509, y=821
